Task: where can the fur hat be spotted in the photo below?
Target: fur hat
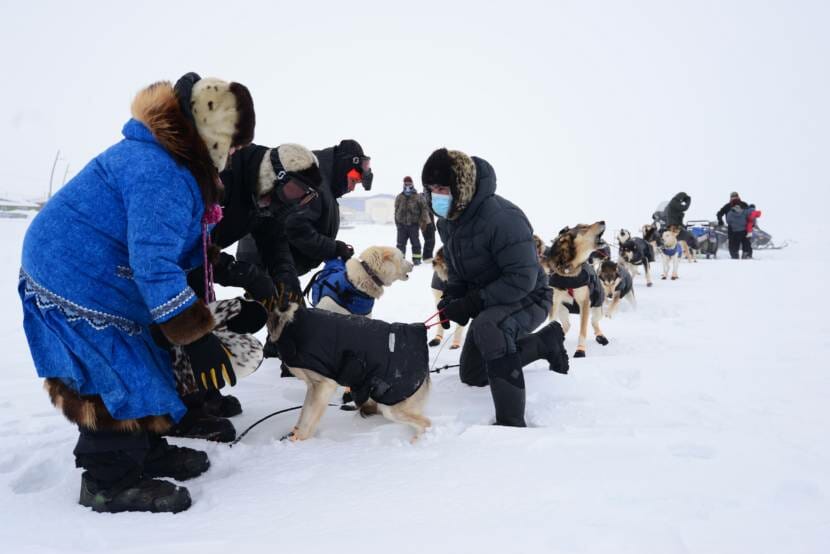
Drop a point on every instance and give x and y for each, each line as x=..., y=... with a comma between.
x=454, y=169
x=222, y=112
x=296, y=160
x=407, y=179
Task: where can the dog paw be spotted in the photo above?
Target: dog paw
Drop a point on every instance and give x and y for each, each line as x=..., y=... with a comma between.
x=602, y=340
x=649, y=284
x=435, y=342
x=663, y=277
x=455, y=346
x=579, y=354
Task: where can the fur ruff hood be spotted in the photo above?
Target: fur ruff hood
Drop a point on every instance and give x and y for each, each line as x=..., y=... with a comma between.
x=157, y=107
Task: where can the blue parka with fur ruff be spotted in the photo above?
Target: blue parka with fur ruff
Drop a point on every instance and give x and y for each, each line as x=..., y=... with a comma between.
x=104, y=259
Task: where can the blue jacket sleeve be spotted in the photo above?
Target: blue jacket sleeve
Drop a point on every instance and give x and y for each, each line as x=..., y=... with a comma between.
x=160, y=210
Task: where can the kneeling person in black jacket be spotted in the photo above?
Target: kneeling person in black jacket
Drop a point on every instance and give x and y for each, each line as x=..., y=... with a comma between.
x=494, y=279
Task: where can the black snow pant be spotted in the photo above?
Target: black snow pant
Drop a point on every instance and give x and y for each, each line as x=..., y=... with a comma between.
x=429, y=241
x=739, y=241
x=113, y=457
x=494, y=332
x=411, y=233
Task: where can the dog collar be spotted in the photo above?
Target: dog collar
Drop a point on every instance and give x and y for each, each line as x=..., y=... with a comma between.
x=371, y=273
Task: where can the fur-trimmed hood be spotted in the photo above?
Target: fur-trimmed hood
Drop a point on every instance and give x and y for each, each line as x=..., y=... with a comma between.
x=157, y=107
x=456, y=170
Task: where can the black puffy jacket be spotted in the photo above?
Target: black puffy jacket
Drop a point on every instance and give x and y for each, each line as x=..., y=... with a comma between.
x=677, y=208
x=386, y=362
x=490, y=247
x=311, y=230
x=241, y=214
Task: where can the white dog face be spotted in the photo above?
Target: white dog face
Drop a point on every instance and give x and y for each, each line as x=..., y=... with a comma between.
x=623, y=236
x=669, y=239
x=388, y=263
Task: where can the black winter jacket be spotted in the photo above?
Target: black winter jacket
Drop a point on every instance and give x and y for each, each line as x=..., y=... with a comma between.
x=311, y=230
x=490, y=247
x=676, y=208
x=242, y=216
x=386, y=362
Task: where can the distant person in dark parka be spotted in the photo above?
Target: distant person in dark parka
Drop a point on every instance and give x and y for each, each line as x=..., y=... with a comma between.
x=494, y=278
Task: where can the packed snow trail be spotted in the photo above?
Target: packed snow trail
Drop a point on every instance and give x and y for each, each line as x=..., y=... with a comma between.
x=702, y=427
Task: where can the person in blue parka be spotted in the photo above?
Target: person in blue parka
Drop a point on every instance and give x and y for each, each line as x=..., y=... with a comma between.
x=103, y=273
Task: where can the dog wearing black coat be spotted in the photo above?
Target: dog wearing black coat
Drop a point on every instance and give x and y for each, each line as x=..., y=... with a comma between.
x=635, y=252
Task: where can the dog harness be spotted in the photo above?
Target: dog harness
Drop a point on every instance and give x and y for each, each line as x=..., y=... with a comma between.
x=673, y=251
x=333, y=282
x=586, y=278
x=561, y=282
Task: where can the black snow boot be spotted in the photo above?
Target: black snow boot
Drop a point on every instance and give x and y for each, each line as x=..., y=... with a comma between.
x=507, y=385
x=196, y=424
x=177, y=462
x=219, y=405
x=546, y=344
x=142, y=495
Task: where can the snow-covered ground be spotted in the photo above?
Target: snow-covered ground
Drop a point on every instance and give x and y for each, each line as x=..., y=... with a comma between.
x=702, y=427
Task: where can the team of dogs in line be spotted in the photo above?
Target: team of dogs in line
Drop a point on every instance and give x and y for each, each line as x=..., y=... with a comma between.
x=574, y=251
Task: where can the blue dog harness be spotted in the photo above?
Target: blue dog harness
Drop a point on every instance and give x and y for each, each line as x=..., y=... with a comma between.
x=672, y=251
x=331, y=281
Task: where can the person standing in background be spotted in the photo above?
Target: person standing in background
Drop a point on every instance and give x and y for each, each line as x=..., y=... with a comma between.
x=409, y=216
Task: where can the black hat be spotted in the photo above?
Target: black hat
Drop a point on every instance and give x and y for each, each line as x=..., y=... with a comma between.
x=454, y=169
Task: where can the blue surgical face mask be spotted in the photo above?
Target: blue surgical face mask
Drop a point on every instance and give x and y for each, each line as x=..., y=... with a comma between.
x=441, y=204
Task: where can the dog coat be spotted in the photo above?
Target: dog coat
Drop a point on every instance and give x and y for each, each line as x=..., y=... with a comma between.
x=642, y=250
x=626, y=283
x=332, y=281
x=677, y=250
x=587, y=277
x=386, y=362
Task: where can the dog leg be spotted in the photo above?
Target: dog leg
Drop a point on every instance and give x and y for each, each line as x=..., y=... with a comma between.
x=666, y=262
x=584, y=314
x=410, y=411
x=674, y=265
x=613, y=308
x=317, y=400
x=596, y=315
x=648, y=274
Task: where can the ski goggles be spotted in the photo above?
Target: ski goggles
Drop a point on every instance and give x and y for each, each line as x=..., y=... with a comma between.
x=291, y=190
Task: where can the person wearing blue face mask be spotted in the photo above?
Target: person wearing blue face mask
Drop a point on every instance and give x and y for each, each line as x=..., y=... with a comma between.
x=411, y=215
x=494, y=278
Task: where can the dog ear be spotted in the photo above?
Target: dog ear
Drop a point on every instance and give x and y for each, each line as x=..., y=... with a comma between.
x=388, y=255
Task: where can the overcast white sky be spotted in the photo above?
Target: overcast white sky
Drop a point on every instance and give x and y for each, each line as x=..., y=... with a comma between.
x=587, y=109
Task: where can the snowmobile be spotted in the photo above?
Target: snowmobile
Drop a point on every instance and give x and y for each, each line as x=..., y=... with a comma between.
x=709, y=237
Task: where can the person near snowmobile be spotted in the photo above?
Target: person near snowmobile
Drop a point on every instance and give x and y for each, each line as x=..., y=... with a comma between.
x=737, y=214
x=494, y=278
x=103, y=277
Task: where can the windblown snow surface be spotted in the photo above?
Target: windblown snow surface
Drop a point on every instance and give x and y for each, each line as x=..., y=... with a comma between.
x=702, y=427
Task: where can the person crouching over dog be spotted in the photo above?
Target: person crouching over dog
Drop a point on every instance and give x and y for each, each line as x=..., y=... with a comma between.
x=494, y=278
x=439, y=285
x=104, y=261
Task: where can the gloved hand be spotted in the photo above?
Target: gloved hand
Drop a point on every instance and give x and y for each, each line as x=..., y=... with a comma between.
x=287, y=291
x=344, y=251
x=749, y=235
x=460, y=310
x=211, y=363
x=250, y=320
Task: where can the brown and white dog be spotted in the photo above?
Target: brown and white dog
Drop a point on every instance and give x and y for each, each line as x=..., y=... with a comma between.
x=564, y=263
x=410, y=362
x=377, y=267
x=670, y=251
x=439, y=265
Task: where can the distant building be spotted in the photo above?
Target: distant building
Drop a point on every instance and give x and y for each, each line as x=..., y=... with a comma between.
x=377, y=209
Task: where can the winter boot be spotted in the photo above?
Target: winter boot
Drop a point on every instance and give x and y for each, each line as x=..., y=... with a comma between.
x=416, y=260
x=177, y=462
x=142, y=495
x=219, y=405
x=547, y=344
x=507, y=385
x=196, y=424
